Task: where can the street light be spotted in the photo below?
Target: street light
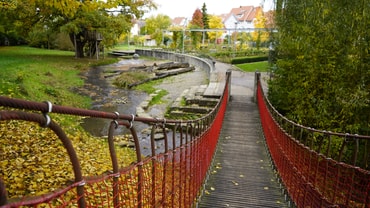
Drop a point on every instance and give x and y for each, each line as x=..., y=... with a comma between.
x=183, y=39
x=183, y=35
x=236, y=24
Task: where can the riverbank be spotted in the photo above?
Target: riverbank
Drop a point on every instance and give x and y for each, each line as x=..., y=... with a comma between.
x=39, y=74
x=33, y=160
x=109, y=98
x=33, y=155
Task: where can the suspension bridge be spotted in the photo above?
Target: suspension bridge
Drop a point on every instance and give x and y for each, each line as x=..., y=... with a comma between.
x=241, y=154
x=242, y=175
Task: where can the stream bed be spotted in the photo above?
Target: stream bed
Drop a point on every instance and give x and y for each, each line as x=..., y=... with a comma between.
x=109, y=98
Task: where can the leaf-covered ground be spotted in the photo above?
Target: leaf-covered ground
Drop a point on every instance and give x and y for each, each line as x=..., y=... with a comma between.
x=33, y=160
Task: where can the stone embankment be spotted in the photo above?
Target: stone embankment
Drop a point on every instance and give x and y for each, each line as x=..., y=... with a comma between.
x=191, y=103
x=194, y=101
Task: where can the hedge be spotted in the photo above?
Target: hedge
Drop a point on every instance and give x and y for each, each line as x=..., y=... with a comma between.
x=249, y=59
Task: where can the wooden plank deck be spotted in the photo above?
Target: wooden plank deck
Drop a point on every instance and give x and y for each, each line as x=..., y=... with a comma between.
x=242, y=175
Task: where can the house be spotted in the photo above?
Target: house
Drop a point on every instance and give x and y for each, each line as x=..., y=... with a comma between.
x=136, y=26
x=148, y=41
x=270, y=17
x=180, y=22
x=230, y=21
x=241, y=17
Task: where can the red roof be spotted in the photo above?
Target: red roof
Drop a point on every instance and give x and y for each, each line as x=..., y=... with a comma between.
x=224, y=16
x=178, y=21
x=270, y=17
x=245, y=13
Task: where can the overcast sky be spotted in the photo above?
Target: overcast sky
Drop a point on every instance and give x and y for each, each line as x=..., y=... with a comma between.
x=186, y=8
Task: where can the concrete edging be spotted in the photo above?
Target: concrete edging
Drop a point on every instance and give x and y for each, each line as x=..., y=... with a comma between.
x=178, y=57
x=204, y=64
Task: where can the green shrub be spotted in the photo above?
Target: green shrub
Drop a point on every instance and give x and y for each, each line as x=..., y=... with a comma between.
x=230, y=52
x=243, y=60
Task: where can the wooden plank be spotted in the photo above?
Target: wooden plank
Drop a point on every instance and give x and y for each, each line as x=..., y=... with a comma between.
x=242, y=175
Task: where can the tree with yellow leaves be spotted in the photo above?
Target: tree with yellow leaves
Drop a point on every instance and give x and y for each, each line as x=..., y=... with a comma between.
x=215, y=22
x=259, y=36
x=154, y=26
x=82, y=20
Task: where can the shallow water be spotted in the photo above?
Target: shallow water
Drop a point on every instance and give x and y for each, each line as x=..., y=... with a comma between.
x=108, y=98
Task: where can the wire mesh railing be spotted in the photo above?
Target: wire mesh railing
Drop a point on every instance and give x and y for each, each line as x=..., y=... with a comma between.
x=318, y=168
x=171, y=178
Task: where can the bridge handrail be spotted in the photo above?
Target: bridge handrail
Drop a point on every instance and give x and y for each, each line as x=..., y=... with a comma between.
x=299, y=131
x=285, y=119
x=310, y=176
x=181, y=168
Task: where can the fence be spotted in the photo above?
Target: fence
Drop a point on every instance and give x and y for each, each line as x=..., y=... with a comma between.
x=302, y=158
x=172, y=178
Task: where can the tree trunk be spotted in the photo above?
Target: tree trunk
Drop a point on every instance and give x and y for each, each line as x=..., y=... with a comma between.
x=172, y=65
x=161, y=76
x=78, y=43
x=79, y=49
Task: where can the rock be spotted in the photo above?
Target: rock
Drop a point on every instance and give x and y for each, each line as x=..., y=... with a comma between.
x=136, y=56
x=126, y=144
x=158, y=136
x=146, y=131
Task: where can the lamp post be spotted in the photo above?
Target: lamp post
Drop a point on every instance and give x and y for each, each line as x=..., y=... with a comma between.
x=183, y=35
x=162, y=43
x=271, y=59
x=235, y=38
x=183, y=40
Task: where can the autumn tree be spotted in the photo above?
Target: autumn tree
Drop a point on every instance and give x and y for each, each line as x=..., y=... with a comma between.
x=244, y=38
x=260, y=35
x=323, y=76
x=82, y=20
x=176, y=36
x=215, y=22
x=155, y=25
x=196, y=23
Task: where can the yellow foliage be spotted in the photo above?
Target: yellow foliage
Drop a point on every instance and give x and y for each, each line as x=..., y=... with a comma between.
x=260, y=23
x=33, y=161
x=215, y=22
x=8, y=4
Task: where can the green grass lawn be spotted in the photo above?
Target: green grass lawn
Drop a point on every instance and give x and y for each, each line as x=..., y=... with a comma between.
x=252, y=67
x=123, y=47
x=40, y=74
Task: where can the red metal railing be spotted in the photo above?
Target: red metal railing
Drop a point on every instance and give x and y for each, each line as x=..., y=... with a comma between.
x=303, y=158
x=172, y=178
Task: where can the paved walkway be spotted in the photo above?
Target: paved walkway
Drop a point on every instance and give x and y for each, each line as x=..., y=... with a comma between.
x=242, y=175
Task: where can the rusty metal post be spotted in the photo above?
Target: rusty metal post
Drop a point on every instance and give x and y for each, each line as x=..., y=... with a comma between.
x=75, y=162
x=228, y=80
x=187, y=166
x=152, y=144
x=257, y=76
x=182, y=179
x=139, y=165
x=173, y=169
x=188, y=141
x=165, y=163
x=112, y=151
x=45, y=121
x=3, y=193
